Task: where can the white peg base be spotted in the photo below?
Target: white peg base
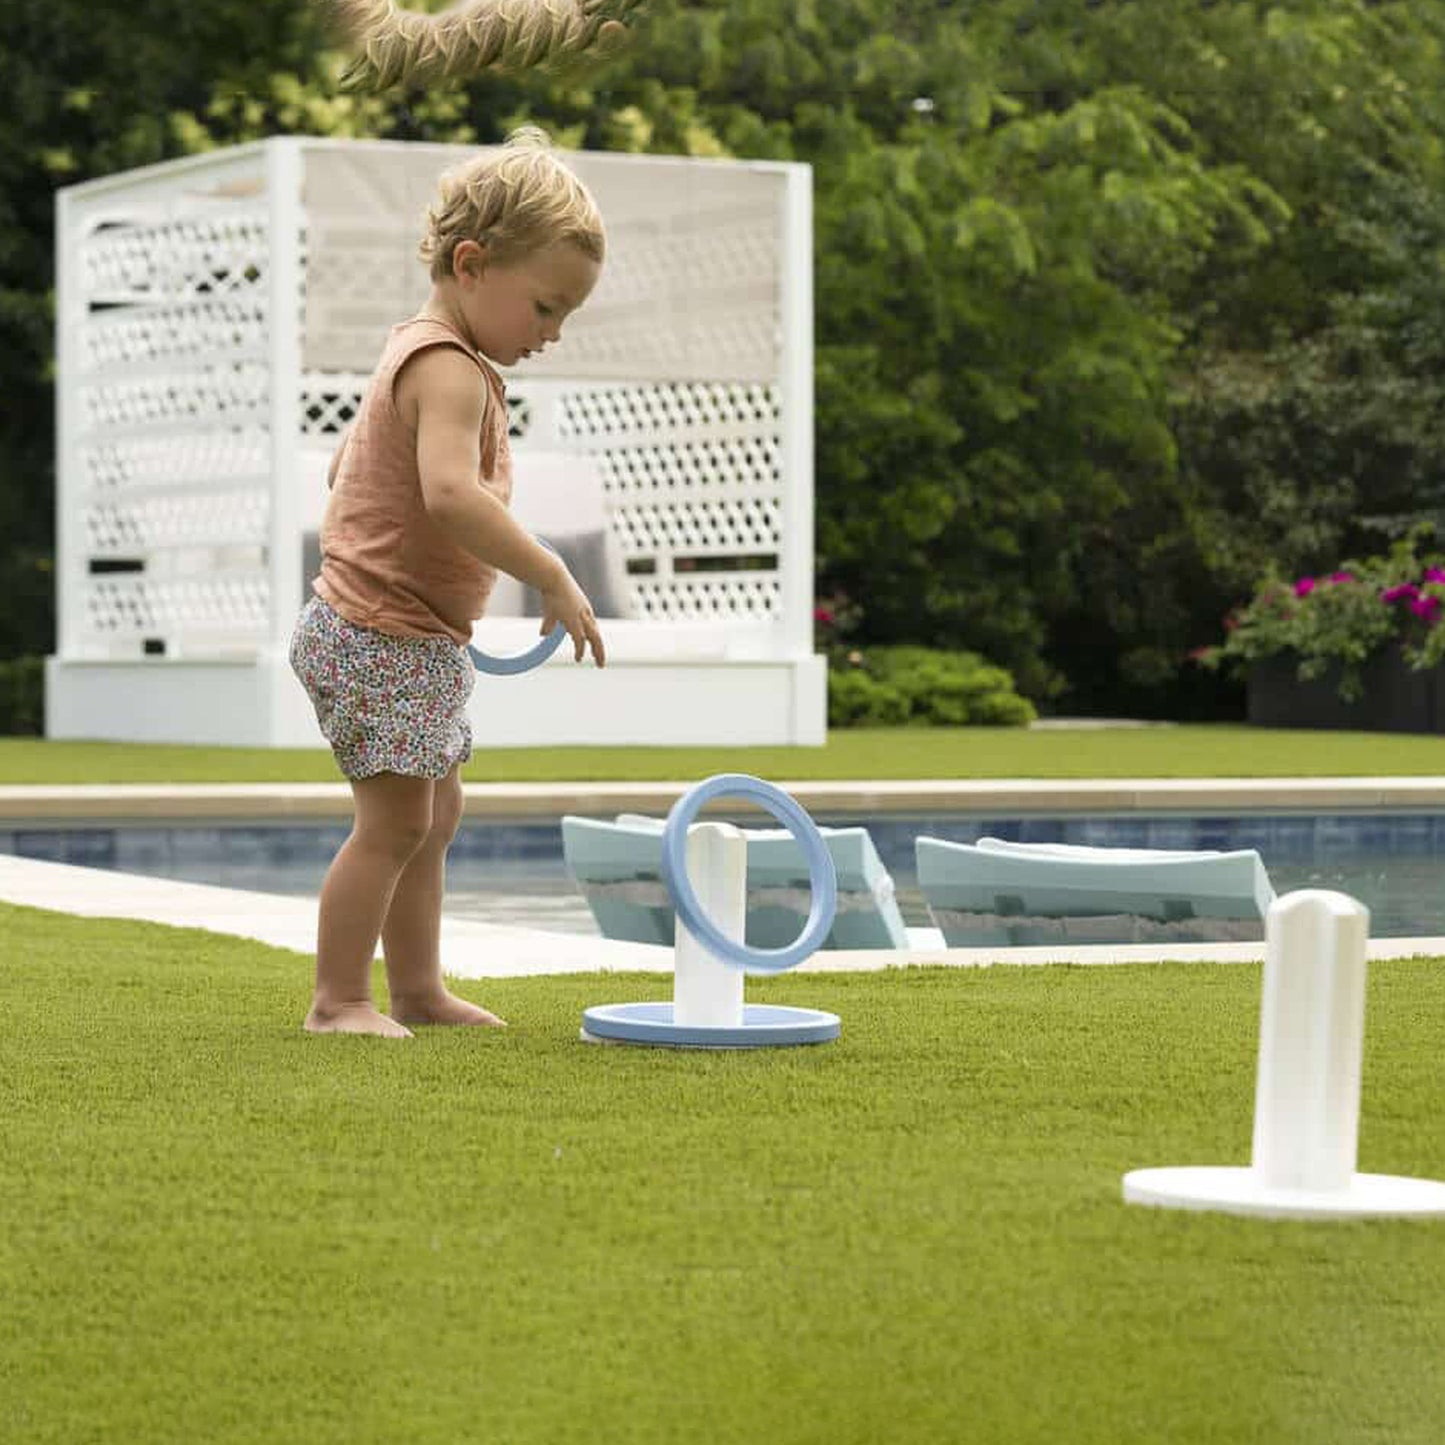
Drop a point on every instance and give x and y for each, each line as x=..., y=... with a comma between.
x=1242, y=1191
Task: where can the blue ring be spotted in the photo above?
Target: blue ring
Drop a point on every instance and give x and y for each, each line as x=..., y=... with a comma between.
x=513, y=663
x=822, y=875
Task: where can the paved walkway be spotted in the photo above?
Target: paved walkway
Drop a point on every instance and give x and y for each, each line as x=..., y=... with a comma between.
x=473, y=949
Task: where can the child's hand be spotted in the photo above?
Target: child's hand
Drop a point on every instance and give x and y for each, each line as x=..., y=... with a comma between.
x=567, y=603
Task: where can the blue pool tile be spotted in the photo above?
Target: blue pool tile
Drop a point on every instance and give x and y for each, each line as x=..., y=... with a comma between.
x=84, y=847
x=139, y=850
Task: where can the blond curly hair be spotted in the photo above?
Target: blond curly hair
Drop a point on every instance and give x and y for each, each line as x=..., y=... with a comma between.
x=515, y=199
x=413, y=48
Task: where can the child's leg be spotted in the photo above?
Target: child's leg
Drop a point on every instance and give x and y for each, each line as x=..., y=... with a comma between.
x=393, y=820
x=411, y=934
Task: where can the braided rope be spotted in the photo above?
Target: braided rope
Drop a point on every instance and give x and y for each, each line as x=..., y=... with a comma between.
x=397, y=46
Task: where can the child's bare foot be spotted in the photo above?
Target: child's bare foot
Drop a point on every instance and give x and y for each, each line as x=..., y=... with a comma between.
x=353, y=1018
x=441, y=1008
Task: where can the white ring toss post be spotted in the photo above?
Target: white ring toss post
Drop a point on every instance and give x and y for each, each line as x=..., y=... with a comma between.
x=706, y=863
x=705, y=993
x=1307, y=1098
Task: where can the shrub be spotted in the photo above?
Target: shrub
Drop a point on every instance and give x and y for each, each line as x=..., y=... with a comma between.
x=1344, y=618
x=855, y=699
x=924, y=686
x=22, y=696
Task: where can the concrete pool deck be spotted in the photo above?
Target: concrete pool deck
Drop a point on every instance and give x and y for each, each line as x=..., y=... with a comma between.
x=473, y=949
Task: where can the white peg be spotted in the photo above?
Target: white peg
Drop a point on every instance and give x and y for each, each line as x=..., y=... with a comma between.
x=1307, y=1093
x=705, y=992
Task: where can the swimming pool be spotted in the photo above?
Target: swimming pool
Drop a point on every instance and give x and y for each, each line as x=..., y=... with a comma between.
x=501, y=872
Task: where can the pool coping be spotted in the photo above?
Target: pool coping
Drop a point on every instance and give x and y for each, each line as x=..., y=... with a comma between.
x=151, y=802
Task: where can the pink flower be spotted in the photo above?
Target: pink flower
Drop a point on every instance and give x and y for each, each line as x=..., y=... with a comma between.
x=823, y=615
x=1394, y=594
x=1435, y=574
x=1304, y=586
x=1342, y=576
x=1426, y=607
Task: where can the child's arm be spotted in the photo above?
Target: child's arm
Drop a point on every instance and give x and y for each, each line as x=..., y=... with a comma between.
x=451, y=397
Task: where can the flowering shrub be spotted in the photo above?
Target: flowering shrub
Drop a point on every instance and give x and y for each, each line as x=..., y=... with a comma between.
x=1342, y=619
x=835, y=618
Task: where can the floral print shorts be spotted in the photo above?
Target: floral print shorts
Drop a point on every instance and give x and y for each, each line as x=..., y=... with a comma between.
x=386, y=704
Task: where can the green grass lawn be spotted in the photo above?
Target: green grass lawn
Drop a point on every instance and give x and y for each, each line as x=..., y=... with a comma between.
x=1210, y=751
x=219, y=1230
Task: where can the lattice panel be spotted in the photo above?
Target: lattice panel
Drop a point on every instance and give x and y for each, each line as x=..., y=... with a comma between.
x=328, y=403
x=213, y=519
x=175, y=259
x=727, y=596
x=705, y=483
x=690, y=471
x=205, y=396
x=621, y=411
x=194, y=461
x=137, y=336
x=715, y=528
x=171, y=405
x=329, y=400
x=233, y=607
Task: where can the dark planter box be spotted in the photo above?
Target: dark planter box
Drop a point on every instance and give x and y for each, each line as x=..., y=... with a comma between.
x=1395, y=698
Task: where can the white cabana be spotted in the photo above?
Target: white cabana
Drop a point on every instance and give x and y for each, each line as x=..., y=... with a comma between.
x=217, y=320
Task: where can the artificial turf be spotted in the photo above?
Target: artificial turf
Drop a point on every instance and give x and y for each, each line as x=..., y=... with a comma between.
x=218, y=1229
x=1163, y=752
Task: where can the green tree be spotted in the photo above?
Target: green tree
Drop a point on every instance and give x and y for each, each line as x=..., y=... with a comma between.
x=1094, y=282
x=89, y=90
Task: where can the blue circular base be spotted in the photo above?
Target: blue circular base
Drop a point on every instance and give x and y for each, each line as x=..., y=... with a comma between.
x=764, y=1026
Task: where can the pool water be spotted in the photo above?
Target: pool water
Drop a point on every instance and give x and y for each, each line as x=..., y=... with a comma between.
x=512, y=873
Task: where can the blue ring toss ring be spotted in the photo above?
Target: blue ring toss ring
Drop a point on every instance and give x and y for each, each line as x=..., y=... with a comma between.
x=516, y=662
x=822, y=875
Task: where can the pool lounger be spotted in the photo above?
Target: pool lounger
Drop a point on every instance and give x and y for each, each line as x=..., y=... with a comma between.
x=618, y=868
x=1018, y=894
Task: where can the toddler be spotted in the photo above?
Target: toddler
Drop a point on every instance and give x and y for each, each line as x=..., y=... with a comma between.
x=415, y=531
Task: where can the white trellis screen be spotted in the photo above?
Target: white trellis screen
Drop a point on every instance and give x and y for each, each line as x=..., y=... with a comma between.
x=217, y=321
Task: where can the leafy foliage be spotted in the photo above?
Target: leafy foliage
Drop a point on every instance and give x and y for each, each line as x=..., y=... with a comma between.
x=1093, y=283
x=1344, y=619
x=22, y=696
x=886, y=686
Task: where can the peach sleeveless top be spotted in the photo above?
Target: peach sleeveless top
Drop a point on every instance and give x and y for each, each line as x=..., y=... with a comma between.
x=385, y=564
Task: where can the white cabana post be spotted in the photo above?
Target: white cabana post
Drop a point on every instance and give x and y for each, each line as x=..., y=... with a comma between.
x=217, y=319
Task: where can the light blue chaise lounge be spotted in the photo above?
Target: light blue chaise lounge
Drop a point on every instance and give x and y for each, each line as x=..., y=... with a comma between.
x=617, y=866
x=993, y=892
